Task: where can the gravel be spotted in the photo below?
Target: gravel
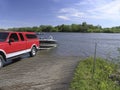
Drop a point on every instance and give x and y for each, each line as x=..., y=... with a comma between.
x=42, y=72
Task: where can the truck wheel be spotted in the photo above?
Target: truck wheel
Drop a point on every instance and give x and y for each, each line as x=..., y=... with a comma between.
x=33, y=52
x=1, y=61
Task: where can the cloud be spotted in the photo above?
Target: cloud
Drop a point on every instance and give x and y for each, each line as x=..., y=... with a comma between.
x=63, y=17
x=92, y=9
x=107, y=11
x=70, y=13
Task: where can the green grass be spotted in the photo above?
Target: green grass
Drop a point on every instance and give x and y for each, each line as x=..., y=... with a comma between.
x=83, y=80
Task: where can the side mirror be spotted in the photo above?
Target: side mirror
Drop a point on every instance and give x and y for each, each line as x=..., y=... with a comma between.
x=11, y=40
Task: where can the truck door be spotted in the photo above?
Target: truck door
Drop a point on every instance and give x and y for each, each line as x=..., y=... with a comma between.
x=16, y=43
x=13, y=45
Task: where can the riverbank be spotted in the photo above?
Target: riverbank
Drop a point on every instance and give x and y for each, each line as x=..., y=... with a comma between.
x=42, y=72
x=101, y=79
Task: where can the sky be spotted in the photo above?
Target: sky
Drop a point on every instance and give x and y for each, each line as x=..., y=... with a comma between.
x=29, y=13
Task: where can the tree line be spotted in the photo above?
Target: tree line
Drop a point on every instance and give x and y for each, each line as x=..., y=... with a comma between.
x=83, y=28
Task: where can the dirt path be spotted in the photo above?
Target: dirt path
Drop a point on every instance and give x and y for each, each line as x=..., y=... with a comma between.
x=38, y=73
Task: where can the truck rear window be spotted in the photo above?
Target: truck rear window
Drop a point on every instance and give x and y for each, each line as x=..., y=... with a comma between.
x=3, y=36
x=31, y=36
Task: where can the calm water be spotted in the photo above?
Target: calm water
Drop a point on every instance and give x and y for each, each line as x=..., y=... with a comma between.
x=83, y=44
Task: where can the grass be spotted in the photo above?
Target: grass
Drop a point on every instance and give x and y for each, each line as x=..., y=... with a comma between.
x=83, y=80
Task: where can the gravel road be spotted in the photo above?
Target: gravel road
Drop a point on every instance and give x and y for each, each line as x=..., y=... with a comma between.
x=42, y=72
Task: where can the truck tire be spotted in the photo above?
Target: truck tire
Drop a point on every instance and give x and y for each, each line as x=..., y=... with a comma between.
x=1, y=61
x=33, y=52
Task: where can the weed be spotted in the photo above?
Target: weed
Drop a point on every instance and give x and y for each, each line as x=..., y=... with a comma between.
x=101, y=81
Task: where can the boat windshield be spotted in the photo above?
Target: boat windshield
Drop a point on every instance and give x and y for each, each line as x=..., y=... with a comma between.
x=3, y=36
x=44, y=36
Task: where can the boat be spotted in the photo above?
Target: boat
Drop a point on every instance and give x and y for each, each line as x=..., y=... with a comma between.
x=46, y=41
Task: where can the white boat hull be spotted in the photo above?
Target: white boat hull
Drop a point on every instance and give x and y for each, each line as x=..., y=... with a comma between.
x=47, y=44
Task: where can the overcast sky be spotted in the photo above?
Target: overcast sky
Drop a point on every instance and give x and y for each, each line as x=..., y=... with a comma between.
x=28, y=13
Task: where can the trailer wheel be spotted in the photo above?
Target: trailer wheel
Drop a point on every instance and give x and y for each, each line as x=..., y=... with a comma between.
x=33, y=52
x=1, y=61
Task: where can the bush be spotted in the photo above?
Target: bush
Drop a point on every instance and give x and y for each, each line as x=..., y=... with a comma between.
x=83, y=76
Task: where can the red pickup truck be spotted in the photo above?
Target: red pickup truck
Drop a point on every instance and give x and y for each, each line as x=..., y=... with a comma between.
x=13, y=44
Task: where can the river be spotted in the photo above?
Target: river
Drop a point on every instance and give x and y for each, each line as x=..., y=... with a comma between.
x=83, y=45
